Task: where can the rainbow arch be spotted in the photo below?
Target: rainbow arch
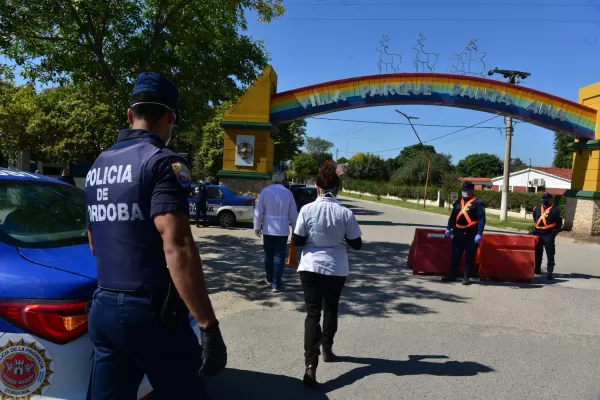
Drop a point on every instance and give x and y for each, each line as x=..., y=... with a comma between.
x=480, y=94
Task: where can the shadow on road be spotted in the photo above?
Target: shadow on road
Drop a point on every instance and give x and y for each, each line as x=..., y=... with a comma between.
x=415, y=365
x=379, y=284
x=360, y=210
x=538, y=283
x=240, y=384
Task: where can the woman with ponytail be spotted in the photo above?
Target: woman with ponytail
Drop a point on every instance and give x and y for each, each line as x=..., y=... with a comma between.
x=323, y=229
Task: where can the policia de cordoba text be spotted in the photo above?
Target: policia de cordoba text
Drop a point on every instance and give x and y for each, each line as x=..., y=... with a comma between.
x=111, y=211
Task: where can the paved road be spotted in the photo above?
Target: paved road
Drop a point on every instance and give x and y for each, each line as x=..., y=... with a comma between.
x=407, y=337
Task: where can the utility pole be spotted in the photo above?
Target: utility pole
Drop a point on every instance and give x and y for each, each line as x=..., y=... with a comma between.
x=426, y=152
x=336, y=155
x=512, y=79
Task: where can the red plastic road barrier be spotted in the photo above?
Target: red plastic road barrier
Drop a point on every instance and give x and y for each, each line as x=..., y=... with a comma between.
x=431, y=252
x=508, y=258
x=411, y=253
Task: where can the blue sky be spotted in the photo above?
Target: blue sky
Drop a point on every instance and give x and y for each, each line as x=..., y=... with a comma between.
x=318, y=41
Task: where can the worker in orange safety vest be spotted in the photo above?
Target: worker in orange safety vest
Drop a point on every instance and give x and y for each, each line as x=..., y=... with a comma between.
x=468, y=221
x=548, y=223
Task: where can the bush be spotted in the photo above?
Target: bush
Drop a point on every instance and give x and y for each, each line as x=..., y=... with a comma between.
x=491, y=199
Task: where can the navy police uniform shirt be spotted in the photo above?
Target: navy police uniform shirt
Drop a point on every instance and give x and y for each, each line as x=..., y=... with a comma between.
x=553, y=217
x=130, y=183
x=475, y=211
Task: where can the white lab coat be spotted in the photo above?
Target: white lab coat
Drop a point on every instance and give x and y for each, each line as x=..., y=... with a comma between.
x=275, y=210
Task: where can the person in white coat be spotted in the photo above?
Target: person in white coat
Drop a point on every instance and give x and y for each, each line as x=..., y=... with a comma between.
x=323, y=229
x=275, y=211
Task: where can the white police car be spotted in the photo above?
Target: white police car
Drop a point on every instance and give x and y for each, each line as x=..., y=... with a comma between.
x=224, y=205
x=47, y=276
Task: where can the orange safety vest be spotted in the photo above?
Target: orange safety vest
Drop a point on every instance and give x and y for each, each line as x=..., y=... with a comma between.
x=542, y=219
x=463, y=211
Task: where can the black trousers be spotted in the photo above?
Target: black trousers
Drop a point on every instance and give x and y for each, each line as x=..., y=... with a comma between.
x=546, y=241
x=201, y=207
x=463, y=242
x=321, y=292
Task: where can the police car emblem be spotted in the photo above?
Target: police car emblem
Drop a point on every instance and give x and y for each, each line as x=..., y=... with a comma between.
x=25, y=369
x=182, y=173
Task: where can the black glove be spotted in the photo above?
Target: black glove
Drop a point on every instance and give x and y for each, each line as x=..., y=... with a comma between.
x=214, y=351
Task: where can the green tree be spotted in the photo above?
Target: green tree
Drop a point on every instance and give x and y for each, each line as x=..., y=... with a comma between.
x=410, y=152
x=480, y=165
x=516, y=164
x=563, y=157
x=304, y=166
x=17, y=104
x=342, y=160
x=199, y=44
x=319, y=149
x=208, y=159
x=367, y=167
x=289, y=141
x=414, y=171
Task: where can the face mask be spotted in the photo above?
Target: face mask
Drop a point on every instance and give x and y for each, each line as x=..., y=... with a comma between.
x=465, y=194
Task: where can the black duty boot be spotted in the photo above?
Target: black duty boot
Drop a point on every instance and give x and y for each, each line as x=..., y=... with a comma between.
x=310, y=376
x=550, y=276
x=449, y=279
x=538, y=270
x=466, y=281
x=328, y=355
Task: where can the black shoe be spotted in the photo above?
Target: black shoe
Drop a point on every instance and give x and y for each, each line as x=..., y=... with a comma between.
x=550, y=276
x=310, y=376
x=329, y=356
x=537, y=272
x=449, y=279
x=466, y=281
x=197, y=225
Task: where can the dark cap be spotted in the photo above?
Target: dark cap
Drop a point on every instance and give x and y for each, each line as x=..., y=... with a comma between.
x=547, y=195
x=468, y=186
x=161, y=89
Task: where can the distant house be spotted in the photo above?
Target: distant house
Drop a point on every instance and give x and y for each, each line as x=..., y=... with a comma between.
x=480, y=183
x=537, y=179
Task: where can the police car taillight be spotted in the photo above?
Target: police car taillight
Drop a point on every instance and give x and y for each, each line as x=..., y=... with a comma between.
x=58, y=322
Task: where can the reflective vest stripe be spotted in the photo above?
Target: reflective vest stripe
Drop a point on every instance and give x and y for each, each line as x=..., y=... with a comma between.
x=542, y=219
x=463, y=212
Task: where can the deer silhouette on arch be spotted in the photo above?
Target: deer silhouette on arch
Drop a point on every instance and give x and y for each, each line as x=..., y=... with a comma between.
x=387, y=59
x=423, y=58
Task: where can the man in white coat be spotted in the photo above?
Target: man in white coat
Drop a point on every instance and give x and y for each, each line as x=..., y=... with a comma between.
x=275, y=211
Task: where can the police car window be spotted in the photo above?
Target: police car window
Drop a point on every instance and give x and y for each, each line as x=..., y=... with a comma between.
x=213, y=193
x=34, y=214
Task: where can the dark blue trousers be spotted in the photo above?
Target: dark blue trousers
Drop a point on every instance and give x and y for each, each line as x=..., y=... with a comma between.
x=463, y=242
x=130, y=341
x=275, y=252
x=546, y=241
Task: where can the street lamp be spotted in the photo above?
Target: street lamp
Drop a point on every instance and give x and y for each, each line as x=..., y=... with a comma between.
x=426, y=152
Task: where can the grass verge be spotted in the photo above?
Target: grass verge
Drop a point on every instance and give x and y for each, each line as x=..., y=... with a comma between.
x=491, y=219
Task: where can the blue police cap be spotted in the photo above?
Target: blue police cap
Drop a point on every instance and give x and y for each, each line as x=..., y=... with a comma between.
x=468, y=186
x=159, y=87
x=547, y=195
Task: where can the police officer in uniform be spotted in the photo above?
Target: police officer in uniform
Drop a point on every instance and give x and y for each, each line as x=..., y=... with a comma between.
x=149, y=271
x=548, y=223
x=201, y=203
x=468, y=221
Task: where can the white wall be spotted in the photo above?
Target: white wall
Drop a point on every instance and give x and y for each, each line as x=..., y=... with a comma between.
x=522, y=179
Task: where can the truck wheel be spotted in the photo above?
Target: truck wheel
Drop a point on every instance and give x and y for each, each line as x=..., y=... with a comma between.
x=227, y=219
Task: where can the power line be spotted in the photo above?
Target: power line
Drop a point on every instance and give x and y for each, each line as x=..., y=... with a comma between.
x=563, y=5
x=460, y=130
x=350, y=19
x=398, y=123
